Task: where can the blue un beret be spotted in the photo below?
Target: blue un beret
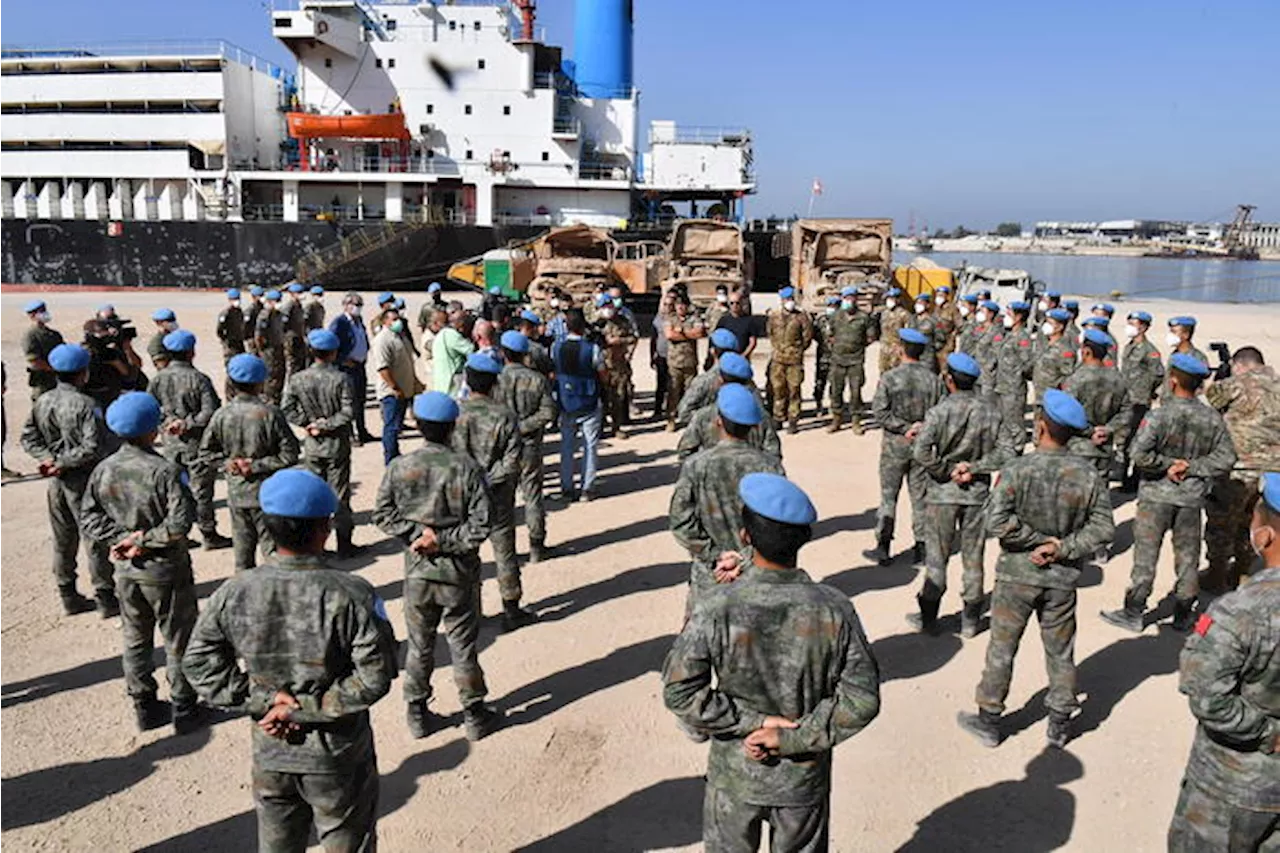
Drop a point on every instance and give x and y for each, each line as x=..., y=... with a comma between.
x=34, y=305
x=1071, y=305
x=923, y=295
x=849, y=291
x=163, y=315
x=943, y=288
x=322, y=340
x=991, y=305
x=1061, y=408
x=233, y=293
x=1098, y=337
x=723, y=339
x=775, y=497
x=786, y=292
x=531, y=317
x=601, y=299
x=435, y=407
x=1271, y=490
x=256, y=291
x=1053, y=294
x=273, y=295
x=1189, y=322
x=134, y=413
x=962, y=362
x=971, y=298
x=1062, y=315
x=735, y=366
x=69, y=358
x=893, y=291
x=246, y=369
x=434, y=287
x=495, y=289
x=1140, y=316
x=386, y=297
x=297, y=493
x=1188, y=364
x=833, y=300
x=399, y=303
x=514, y=341
x=317, y=291
x=738, y=405
x=295, y=288
x=1100, y=322
x=912, y=336
x=1105, y=306
x=482, y=362
x=1019, y=305
x=180, y=340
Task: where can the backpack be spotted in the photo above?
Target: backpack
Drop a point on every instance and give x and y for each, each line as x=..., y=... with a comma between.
x=576, y=381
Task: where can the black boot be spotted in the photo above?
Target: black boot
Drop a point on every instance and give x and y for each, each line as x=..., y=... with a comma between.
x=151, y=713
x=537, y=551
x=213, y=540
x=971, y=620
x=515, y=617
x=73, y=602
x=421, y=721
x=1128, y=617
x=1184, y=615
x=884, y=538
x=984, y=725
x=188, y=719
x=1059, y=732
x=926, y=621
x=108, y=604
x=479, y=721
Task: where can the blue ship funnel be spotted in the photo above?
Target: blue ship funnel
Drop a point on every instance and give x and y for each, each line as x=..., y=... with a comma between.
x=602, y=42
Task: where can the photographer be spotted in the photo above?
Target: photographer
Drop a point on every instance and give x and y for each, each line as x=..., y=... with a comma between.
x=113, y=365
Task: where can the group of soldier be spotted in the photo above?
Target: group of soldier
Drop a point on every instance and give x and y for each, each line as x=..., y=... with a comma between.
x=773, y=668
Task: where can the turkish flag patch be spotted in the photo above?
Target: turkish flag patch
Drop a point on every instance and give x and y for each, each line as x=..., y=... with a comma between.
x=1154, y=354
x=1024, y=343
x=1069, y=354
x=1203, y=624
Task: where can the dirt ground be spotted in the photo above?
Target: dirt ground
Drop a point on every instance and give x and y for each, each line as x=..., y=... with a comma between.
x=589, y=759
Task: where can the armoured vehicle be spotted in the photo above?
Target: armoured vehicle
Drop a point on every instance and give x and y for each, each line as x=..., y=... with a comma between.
x=828, y=255
x=574, y=258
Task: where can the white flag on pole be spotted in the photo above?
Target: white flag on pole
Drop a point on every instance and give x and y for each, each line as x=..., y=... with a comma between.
x=817, y=187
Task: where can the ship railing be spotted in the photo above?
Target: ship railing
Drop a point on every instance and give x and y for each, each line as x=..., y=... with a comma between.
x=178, y=48
x=566, y=126
x=263, y=212
x=603, y=172
x=738, y=136
x=523, y=219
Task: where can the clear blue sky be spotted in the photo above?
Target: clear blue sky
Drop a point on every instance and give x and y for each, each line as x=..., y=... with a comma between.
x=963, y=112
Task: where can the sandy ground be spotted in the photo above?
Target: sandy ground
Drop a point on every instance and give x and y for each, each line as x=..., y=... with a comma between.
x=589, y=759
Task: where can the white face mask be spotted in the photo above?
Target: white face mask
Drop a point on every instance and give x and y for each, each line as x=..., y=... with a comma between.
x=964, y=310
x=722, y=298
x=1008, y=322
x=831, y=310
x=941, y=300
x=789, y=305
x=606, y=313
x=1130, y=331
x=555, y=303
x=169, y=325
x=44, y=316
x=1048, y=328
x=847, y=304
x=983, y=317
x=1173, y=339
x=1042, y=305
x=353, y=310
x=891, y=303
x=921, y=307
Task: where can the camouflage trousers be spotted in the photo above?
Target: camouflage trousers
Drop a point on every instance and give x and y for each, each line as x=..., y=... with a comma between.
x=200, y=475
x=336, y=471
x=1226, y=531
x=895, y=466
x=616, y=397
x=295, y=355
x=144, y=607
x=942, y=524
x=680, y=377
x=732, y=826
x=427, y=604
x=65, y=495
x=530, y=483
x=248, y=535
x=1013, y=416
x=274, y=358
x=1204, y=823
x=1012, y=605
x=890, y=355
x=1150, y=522
x=852, y=377
x=502, y=536
x=784, y=383
x=821, y=372
x=1125, y=437
x=343, y=808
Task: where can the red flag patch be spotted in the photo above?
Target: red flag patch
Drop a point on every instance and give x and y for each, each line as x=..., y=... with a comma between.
x=1153, y=354
x=1203, y=624
x=1024, y=343
x=1069, y=354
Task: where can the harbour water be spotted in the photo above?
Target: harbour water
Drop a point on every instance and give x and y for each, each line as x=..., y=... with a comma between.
x=1149, y=278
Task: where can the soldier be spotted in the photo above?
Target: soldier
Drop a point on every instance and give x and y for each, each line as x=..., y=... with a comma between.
x=435, y=501
x=529, y=324
x=489, y=432
x=903, y=397
x=188, y=402
x=619, y=338
x=1100, y=318
x=987, y=344
x=701, y=433
x=317, y=653
x=166, y=321
x=251, y=315
x=137, y=504
x=1055, y=357
x=852, y=331
x=790, y=333
x=1071, y=330
x=895, y=316
x=1181, y=331
x=1110, y=358
x=253, y=439
x=702, y=390
x=1231, y=673
x=315, y=309
x=1180, y=449
x=231, y=327
x=268, y=334
x=947, y=318
x=38, y=341
x=715, y=312
x=923, y=321
x=527, y=392
x=1143, y=371
x=1250, y=403
x=1012, y=365
x=967, y=309
x=684, y=328
x=1048, y=301
x=1105, y=397
x=318, y=401
x=1050, y=511
x=293, y=316
x=822, y=353
x=435, y=302
x=777, y=670
x=959, y=447
x=65, y=435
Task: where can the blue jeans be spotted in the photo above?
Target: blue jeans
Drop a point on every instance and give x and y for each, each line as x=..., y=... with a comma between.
x=393, y=411
x=586, y=424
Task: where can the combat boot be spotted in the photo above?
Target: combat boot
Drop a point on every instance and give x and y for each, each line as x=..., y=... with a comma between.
x=515, y=617
x=1059, y=731
x=971, y=620
x=537, y=551
x=880, y=554
x=420, y=719
x=73, y=602
x=1128, y=617
x=188, y=719
x=837, y=421
x=1184, y=615
x=213, y=540
x=479, y=721
x=150, y=713
x=792, y=427
x=926, y=621
x=108, y=605
x=984, y=725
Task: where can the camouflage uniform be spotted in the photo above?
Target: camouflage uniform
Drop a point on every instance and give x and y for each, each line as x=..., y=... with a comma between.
x=315, y=315
x=321, y=395
x=186, y=395
x=251, y=315
x=155, y=350
x=136, y=489
x=682, y=360
x=852, y=332
x=1250, y=404
x=967, y=333
x=620, y=339
x=439, y=488
x=903, y=397
x=269, y=334
x=961, y=428
x=37, y=343
x=822, y=332
x=1192, y=351
x=231, y=331
x=248, y=428
x=702, y=433
x=66, y=426
x=927, y=325
x=947, y=321
x=1011, y=367
x=1048, y=494
x=1105, y=397
x=772, y=642
x=790, y=333
x=293, y=317
x=1054, y=362
x=1144, y=373
x=1230, y=798
x=985, y=348
x=1178, y=429
x=891, y=320
x=323, y=635
x=489, y=433
x=527, y=392
x=700, y=393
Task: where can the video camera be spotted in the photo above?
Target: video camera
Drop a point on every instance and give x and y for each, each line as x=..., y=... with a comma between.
x=1223, y=370
x=122, y=329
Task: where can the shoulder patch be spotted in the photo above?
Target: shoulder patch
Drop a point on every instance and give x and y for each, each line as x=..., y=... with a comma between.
x=1024, y=343
x=1153, y=354
x=1068, y=353
x=1203, y=624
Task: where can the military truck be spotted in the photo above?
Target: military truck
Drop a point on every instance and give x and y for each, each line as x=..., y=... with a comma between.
x=828, y=255
x=705, y=253
x=574, y=258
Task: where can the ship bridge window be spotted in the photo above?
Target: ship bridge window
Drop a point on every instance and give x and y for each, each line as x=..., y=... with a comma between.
x=284, y=22
x=468, y=157
x=391, y=63
x=506, y=111
x=480, y=64
x=546, y=156
x=477, y=26
x=431, y=153
x=453, y=25
x=377, y=63
x=391, y=24
x=467, y=109
x=328, y=62
x=431, y=108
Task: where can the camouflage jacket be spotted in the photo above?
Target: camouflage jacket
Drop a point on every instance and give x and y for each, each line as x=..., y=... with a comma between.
x=318, y=633
x=961, y=428
x=268, y=331
x=684, y=354
x=1105, y=397
x=155, y=350
x=37, y=343
x=968, y=335
x=248, y=428
x=293, y=316
x=231, y=330
x=1054, y=362
x=314, y=315
x=927, y=325
x=1250, y=403
x=823, y=329
x=1049, y=494
x=489, y=433
x=851, y=333
x=436, y=487
x=66, y=426
x=702, y=433
x=136, y=489
x=186, y=395
x=946, y=321
x=891, y=320
x=1181, y=429
x=1231, y=673
x=903, y=397
x=527, y=392
x=701, y=392
x=715, y=314
x=540, y=358
x=1142, y=370
x=619, y=336
x=790, y=333
x=1165, y=393
x=706, y=512
x=985, y=349
x=321, y=395
x=1013, y=362
x=251, y=315
x=773, y=643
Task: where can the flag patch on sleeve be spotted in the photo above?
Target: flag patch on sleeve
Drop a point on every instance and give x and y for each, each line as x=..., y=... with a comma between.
x=1203, y=624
